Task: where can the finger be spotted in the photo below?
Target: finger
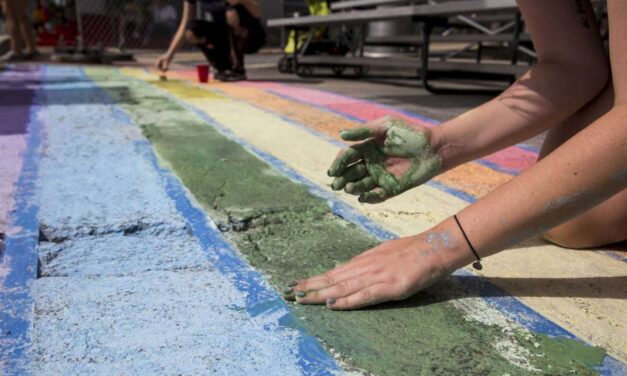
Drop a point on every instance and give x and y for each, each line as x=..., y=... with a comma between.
x=341, y=289
x=330, y=278
x=368, y=296
x=344, y=159
x=361, y=186
x=374, y=196
x=357, y=134
x=354, y=172
x=374, y=129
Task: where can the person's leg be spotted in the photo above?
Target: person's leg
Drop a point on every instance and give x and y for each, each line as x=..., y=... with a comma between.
x=238, y=39
x=606, y=223
x=212, y=39
x=25, y=29
x=13, y=27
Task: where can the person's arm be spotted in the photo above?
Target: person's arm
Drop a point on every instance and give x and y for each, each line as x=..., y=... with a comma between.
x=580, y=174
x=572, y=69
x=583, y=172
x=164, y=61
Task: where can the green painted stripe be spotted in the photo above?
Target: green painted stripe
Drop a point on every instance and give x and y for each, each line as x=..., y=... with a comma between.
x=287, y=233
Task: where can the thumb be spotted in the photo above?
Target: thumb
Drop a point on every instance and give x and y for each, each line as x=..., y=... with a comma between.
x=370, y=130
x=356, y=134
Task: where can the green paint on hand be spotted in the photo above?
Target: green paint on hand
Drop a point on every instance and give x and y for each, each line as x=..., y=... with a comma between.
x=396, y=160
x=286, y=233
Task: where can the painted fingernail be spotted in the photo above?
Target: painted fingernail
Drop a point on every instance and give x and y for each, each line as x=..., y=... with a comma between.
x=288, y=290
x=329, y=172
x=301, y=294
x=292, y=284
x=361, y=198
x=331, y=301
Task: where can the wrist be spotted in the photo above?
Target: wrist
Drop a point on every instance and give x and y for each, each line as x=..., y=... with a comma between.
x=448, y=243
x=439, y=145
x=444, y=144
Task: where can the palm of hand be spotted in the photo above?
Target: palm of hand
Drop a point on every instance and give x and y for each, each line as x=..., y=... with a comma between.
x=393, y=159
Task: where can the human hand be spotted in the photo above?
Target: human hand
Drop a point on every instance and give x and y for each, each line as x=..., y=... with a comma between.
x=394, y=157
x=163, y=62
x=394, y=270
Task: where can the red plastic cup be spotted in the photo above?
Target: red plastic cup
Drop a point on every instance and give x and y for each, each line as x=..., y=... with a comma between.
x=203, y=73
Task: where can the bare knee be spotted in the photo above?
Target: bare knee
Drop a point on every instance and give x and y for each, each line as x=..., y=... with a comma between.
x=583, y=232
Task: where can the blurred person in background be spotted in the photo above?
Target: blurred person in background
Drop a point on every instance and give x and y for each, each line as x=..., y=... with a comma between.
x=224, y=32
x=164, y=19
x=20, y=31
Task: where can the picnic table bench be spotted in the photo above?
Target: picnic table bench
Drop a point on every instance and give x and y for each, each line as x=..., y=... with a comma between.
x=428, y=16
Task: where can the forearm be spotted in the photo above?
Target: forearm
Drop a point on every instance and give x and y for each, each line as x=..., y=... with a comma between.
x=177, y=41
x=586, y=170
x=544, y=97
x=179, y=37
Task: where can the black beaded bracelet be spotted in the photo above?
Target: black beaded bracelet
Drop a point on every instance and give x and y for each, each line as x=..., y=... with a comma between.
x=477, y=264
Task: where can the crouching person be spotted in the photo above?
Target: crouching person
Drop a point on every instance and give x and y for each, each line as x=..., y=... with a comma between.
x=224, y=32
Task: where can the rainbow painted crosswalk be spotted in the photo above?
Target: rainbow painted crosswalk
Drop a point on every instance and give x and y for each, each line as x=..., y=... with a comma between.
x=164, y=256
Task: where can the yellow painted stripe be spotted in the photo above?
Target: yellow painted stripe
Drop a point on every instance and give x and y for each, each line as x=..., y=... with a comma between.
x=578, y=290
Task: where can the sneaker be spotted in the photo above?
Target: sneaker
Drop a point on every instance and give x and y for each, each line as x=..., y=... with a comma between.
x=220, y=75
x=230, y=76
x=32, y=55
x=12, y=57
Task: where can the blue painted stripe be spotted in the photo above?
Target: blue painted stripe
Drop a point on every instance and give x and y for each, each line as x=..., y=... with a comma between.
x=261, y=299
x=508, y=305
x=316, y=106
x=21, y=253
x=452, y=191
x=497, y=167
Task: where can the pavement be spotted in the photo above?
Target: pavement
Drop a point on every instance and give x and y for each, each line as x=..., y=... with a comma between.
x=149, y=226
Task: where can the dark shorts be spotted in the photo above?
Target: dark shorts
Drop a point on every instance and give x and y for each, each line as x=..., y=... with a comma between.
x=216, y=32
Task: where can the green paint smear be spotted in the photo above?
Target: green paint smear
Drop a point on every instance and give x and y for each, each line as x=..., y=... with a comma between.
x=287, y=233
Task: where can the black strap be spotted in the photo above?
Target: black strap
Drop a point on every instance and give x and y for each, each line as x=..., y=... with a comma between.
x=477, y=264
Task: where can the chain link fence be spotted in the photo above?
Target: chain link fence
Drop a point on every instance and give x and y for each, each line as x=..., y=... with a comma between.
x=128, y=24
x=123, y=24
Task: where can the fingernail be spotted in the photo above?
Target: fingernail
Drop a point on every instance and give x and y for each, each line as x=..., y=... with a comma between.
x=361, y=199
x=301, y=294
x=330, y=301
x=329, y=172
x=288, y=290
x=292, y=284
